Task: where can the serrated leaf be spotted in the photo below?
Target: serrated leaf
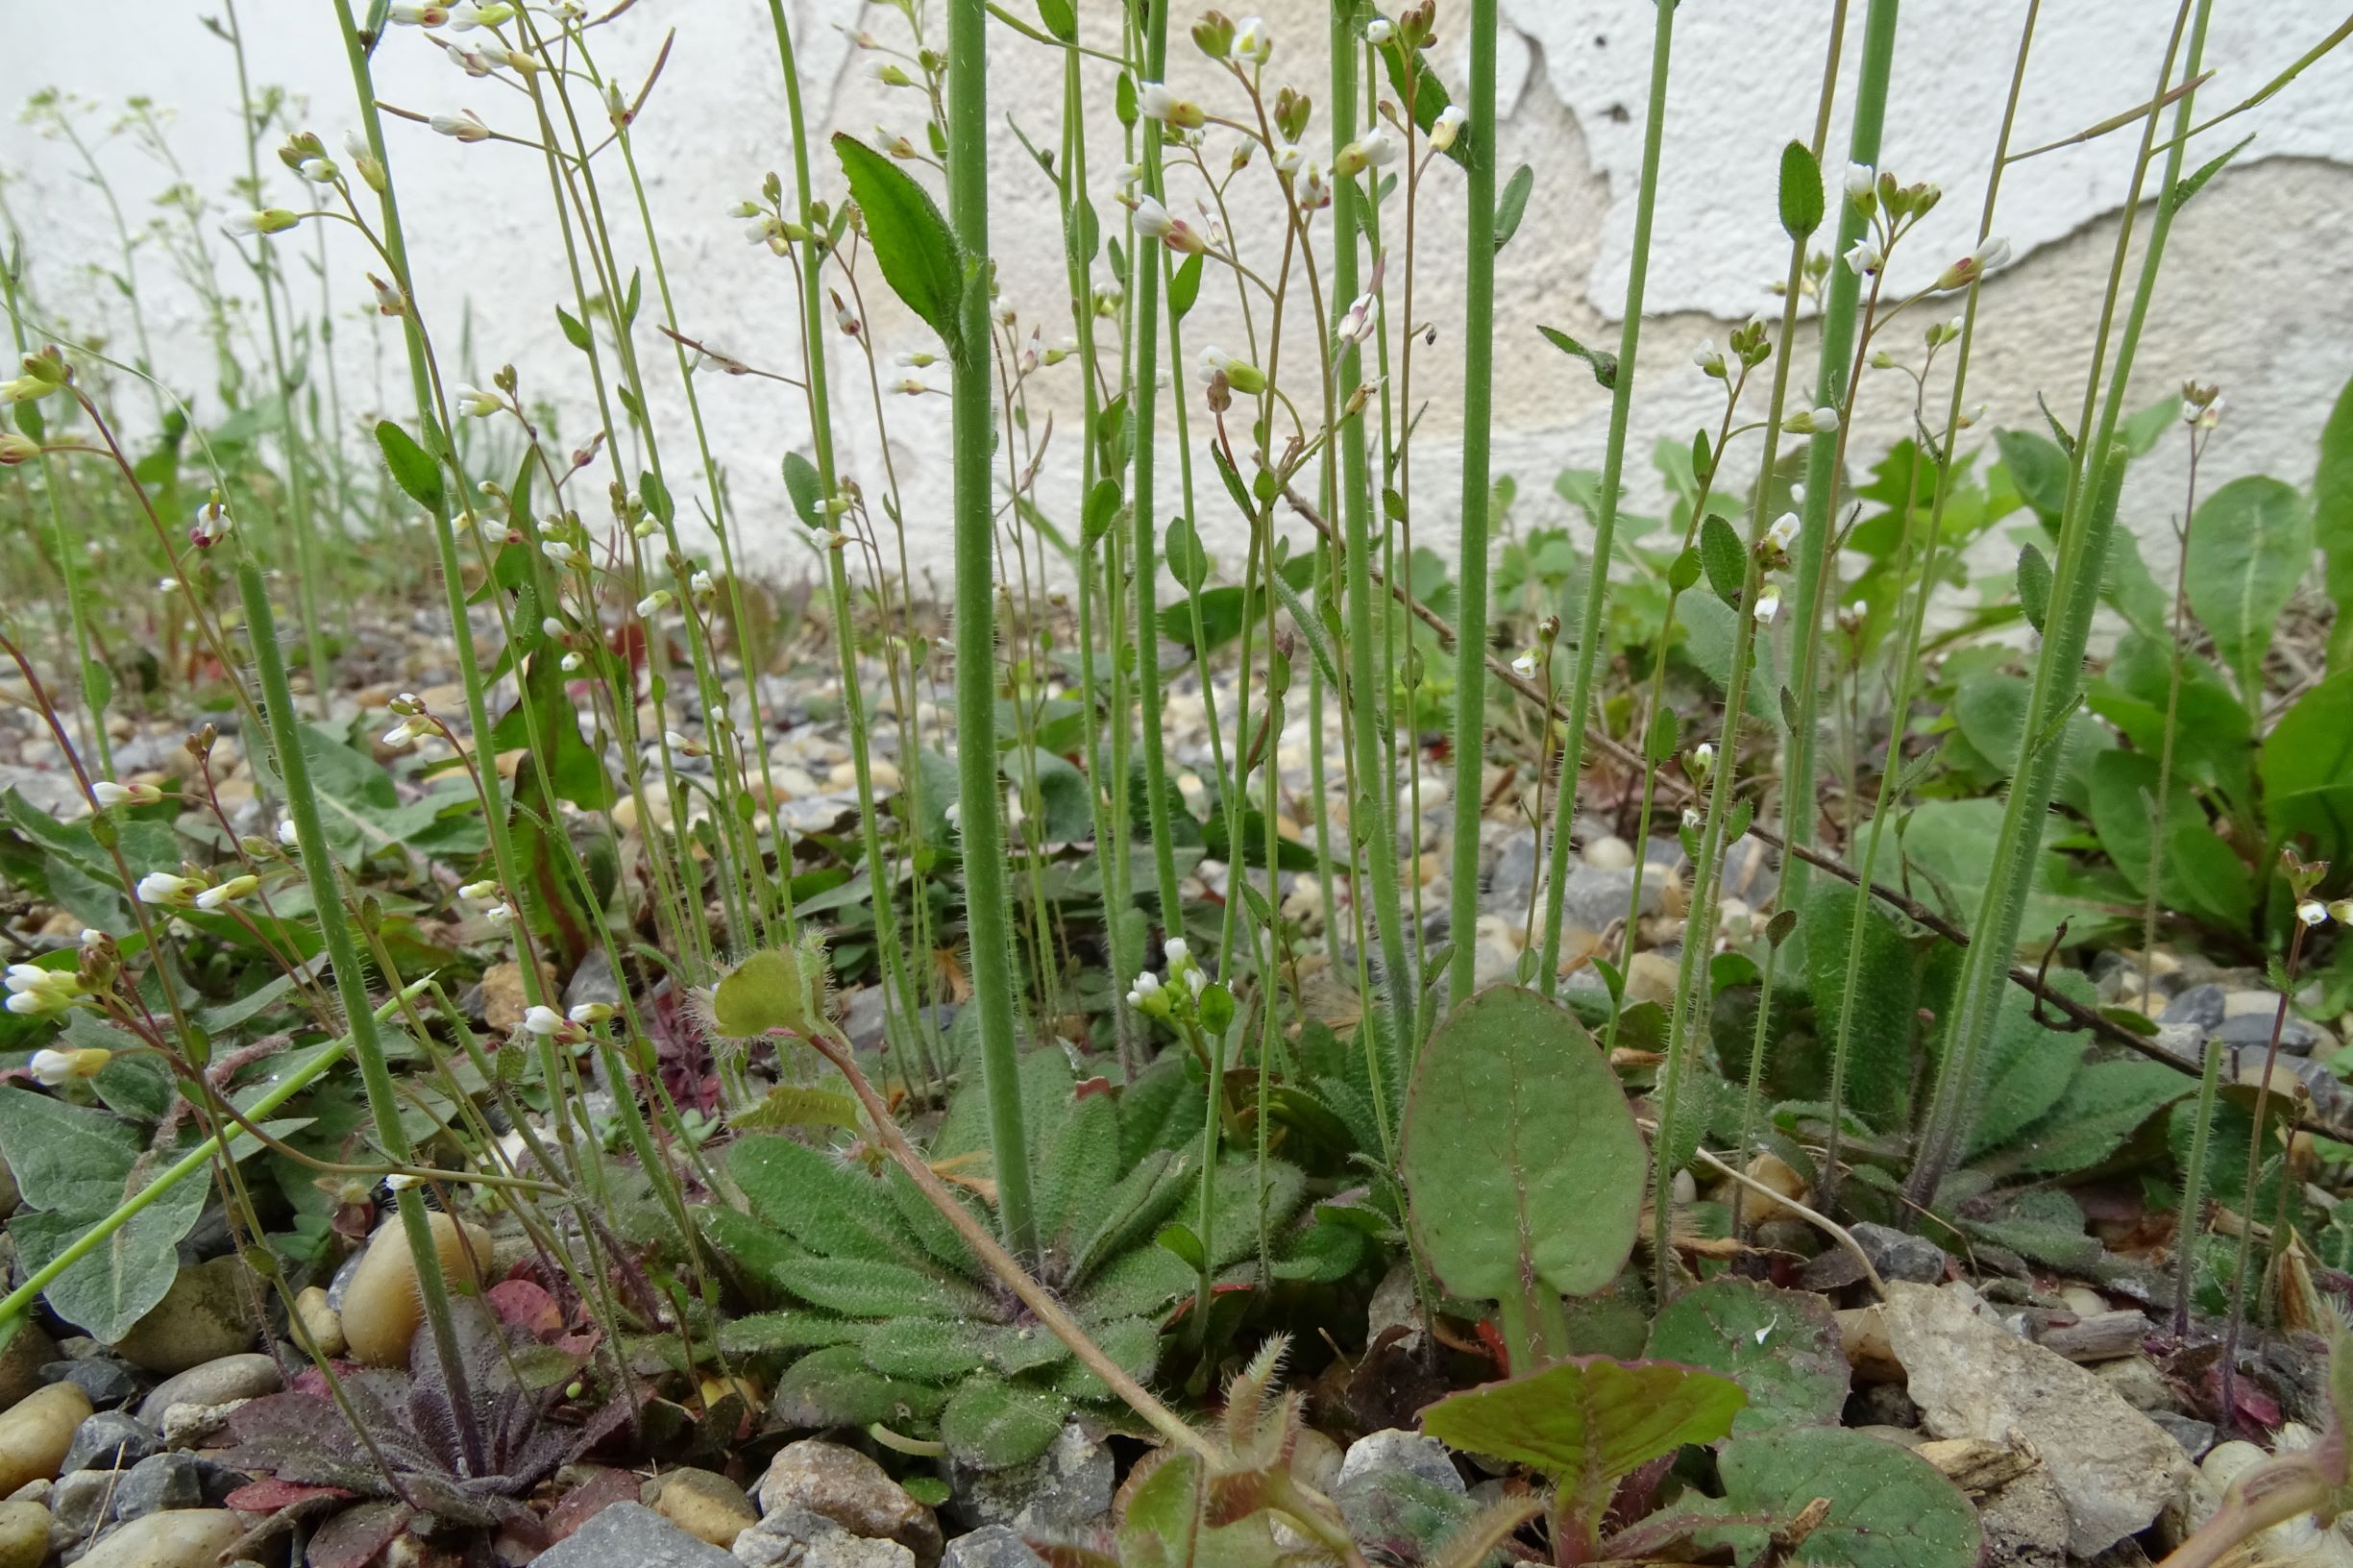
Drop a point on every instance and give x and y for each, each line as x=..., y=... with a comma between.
x=790, y=1105
x=1519, y=1151
x=992, y=1424
x=411, y=467
x=1781, y=1346
x=913, y=244
x=1800, y=191
x=767, y=1334
x=866, y=1287
x=827, y=1208
x=1590, y=1421
x=925, y=1350
x=2250, y=545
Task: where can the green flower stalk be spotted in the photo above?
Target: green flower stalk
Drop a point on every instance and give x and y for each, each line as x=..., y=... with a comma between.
x=1145, y=270
x=1372, y=813
x=1589, y=628
x=2096, y=475
x=1478, y=146
x=1840, y=318
x=986, y=907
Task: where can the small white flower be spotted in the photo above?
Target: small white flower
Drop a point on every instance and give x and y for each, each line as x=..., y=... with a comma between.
x=700, y=585
x=1708, y=358
x=1861, y=181
x=654, y=604
x=1196, y=982
x=1797, y=492
x=682, y=745
x=1812, y=422
x=1252, y=41
x=563, y=554
x=1525, y=667
x=319, y=171
x=1289, y=159
x=1157, y=103
x=236, y=887
x=53, y=1068
x=463, y=126
x=1178, y=952
x=1378, y=30
x=1783, y=532
x=482, y=405
x=1692, y=817
x=108, y=793
x=1363, y=316
x=1863, y=258
x=286, y=833
x=2311, y=912
x=500, y=915
x=164, y=887
x=1448, y=126
x=1768, y=605
x=411, y=14
x=1991, y=253
x=571, y=664
x=542, y=1020
x=402, y=734
x=1703, y=756
x=1147, y=984
x=588, y=1012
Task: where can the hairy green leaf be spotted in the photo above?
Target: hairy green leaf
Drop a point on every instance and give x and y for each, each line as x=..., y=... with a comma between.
x=1519, y=1151
x=1781, y=1346
x=913, y=244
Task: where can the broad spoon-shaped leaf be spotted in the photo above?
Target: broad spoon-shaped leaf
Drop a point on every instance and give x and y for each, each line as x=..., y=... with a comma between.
x=1520, y=1154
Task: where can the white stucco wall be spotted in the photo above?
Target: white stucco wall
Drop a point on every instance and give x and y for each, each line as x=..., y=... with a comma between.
x=2254, y=296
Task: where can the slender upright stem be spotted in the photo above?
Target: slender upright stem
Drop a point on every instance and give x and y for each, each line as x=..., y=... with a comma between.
x=1372, y=814
x=984, y=863
x=2085, y=527
x=1840, y=316
x=1590, y=626
x=1477, y=141
x=350, y=981
x=1145, y=270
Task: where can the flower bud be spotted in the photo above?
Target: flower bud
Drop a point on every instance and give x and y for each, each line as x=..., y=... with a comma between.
x=1447, y=127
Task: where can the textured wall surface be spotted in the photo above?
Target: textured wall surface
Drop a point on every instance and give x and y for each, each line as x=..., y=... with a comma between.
x=2253, y=296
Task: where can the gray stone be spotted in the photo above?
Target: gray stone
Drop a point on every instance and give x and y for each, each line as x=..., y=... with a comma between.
x=2295, y=1036
x=1394, y=1449
x=2195, y=1437
x=1901, y=1256
x=791, y=1538
x=2200, y=1006
x=853, y=1491
x=2113, y=1468
x=170, y=1480
x=2138, y=1381
x=2026, y=1522
x=633, y=1535
x=110, y=1440
x=1062, y=1492
x=593, y=982
x=83, y=1500
x=107, y=1381
x=247, y=1376
x=991, y=1546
